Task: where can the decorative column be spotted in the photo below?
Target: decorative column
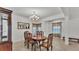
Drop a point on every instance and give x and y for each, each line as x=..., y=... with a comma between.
x=66, y=23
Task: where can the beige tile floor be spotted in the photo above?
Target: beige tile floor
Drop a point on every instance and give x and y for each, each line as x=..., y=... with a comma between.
x=58, y=45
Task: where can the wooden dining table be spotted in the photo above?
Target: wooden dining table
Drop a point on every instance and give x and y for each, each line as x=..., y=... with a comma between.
x=38, y=39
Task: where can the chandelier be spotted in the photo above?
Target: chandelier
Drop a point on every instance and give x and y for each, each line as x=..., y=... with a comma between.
x=34, y=16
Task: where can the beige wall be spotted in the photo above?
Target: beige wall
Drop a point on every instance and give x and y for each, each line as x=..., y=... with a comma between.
x=18, y=35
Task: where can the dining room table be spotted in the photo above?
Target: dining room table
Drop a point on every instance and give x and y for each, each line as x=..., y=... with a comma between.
x=38, y=39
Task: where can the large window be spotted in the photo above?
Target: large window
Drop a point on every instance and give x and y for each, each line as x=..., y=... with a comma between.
x=56, y=29
x=35, y=28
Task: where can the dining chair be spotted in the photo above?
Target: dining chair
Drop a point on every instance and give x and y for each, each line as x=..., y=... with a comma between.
x=39, y=33
x=30, y=41
x=48, y=44
x=25, y=37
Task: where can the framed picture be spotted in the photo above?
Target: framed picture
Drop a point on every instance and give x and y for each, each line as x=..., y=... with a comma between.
x=22, y=25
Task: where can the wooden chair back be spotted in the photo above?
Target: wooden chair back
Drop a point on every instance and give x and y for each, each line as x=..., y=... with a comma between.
x=50, y=39
x=41, y=33
x=26, y=38
x=25, y=34
x=29, y=36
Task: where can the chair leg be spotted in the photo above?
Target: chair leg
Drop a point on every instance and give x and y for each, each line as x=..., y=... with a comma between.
x=39, y=44
x=24, y=43
x=40, y=47
x=51, y=48
x=47, y=49
x=28, y=45
x=32, y=47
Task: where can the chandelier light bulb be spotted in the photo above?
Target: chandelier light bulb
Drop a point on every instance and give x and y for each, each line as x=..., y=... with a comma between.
x=34, y=16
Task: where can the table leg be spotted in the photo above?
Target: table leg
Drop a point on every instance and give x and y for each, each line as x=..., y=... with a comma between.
x=35, y=45
x=39, y=44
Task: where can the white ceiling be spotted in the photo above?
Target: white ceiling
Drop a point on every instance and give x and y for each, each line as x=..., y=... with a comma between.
x=42, y=12
x=71, y=12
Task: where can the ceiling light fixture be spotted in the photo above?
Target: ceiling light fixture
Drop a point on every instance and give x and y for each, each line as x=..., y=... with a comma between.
x=34, y=16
